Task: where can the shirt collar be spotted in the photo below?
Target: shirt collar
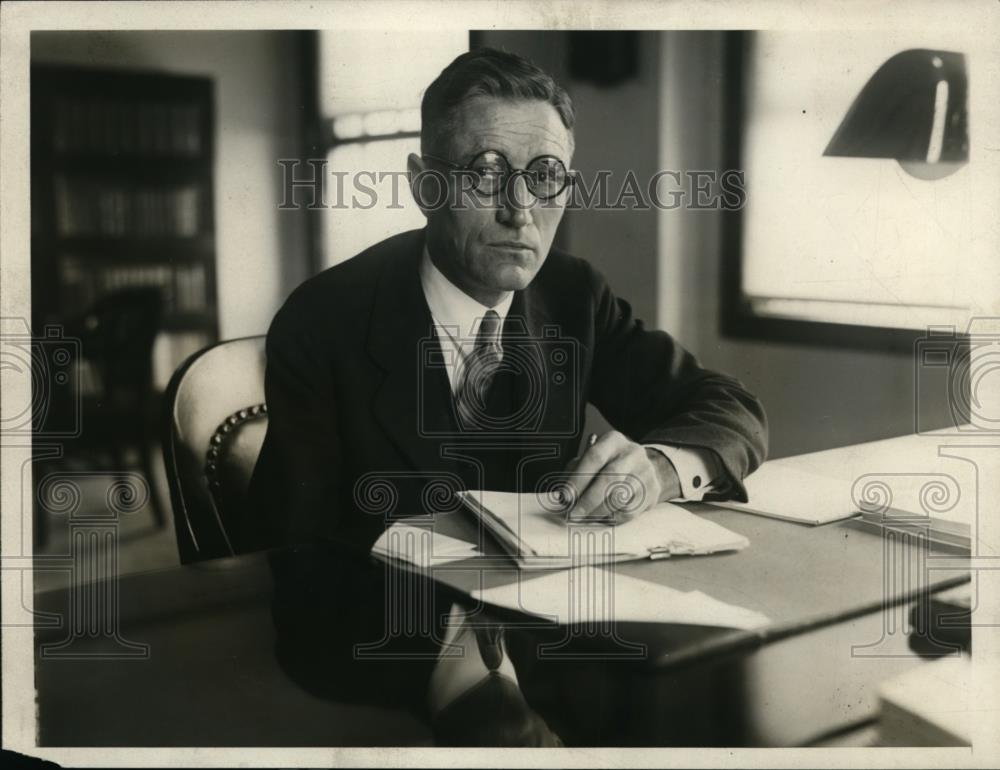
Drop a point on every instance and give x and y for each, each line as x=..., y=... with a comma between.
x=452, y=307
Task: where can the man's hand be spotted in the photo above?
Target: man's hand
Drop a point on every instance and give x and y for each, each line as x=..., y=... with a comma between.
x=617, y=478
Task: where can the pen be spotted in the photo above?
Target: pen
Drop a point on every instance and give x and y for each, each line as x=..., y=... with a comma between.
x=564, y=499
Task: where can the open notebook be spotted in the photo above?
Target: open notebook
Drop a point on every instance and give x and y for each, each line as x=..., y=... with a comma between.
x=541, y=539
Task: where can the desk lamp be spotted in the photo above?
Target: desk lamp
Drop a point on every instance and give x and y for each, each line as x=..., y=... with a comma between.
x=913, y=109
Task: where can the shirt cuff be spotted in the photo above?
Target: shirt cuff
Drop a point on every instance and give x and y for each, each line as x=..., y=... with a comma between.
x=697, y=469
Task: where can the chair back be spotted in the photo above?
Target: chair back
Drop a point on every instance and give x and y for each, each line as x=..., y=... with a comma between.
x=215, y=422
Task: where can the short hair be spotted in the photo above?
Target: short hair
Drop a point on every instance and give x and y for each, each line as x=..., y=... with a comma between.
x=486, y=72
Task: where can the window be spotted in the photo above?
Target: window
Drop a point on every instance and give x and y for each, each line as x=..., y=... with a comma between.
x=370, y=86
x=852, y=242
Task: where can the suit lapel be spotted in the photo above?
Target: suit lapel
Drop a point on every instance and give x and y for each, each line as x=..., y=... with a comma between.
x=413, y=405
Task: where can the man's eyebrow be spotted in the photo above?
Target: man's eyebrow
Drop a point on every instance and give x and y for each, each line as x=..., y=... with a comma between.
x=490, y=141
x=481, y=146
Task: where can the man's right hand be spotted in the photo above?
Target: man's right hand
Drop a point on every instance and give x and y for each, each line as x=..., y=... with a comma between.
x=617, y=479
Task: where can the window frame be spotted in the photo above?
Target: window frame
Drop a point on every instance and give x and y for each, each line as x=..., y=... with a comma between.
x=737, y=317
x=320, y=139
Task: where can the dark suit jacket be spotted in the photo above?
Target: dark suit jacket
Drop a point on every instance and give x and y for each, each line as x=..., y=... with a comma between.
x=361, y=426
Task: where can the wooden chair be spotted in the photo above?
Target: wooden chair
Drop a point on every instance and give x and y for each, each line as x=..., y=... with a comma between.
x=215, y=424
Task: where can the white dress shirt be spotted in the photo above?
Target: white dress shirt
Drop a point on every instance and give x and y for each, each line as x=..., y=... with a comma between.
x=456, y=318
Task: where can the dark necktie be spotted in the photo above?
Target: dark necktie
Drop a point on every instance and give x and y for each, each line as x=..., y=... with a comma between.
x=476, y=373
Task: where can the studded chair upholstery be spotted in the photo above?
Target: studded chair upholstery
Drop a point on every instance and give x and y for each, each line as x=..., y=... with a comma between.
x=214, y=426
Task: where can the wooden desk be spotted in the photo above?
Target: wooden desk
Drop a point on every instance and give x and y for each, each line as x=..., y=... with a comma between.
x=210, y=677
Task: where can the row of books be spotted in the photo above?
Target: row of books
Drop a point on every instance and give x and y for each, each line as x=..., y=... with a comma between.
x=185, y=288
x=126, y=127
x=88, y=208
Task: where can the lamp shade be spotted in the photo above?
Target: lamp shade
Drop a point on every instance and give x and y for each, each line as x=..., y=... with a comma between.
x=913, y=109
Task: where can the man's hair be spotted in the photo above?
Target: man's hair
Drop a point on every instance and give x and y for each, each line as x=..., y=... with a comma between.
x=486, y=72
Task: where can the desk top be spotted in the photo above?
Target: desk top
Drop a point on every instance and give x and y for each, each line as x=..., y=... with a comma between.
x=799, y=576
x=209, y=624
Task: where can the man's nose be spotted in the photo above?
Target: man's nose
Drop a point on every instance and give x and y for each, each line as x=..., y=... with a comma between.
x=516, y=202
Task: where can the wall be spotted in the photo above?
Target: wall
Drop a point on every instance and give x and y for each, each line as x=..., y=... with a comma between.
x=260, y=250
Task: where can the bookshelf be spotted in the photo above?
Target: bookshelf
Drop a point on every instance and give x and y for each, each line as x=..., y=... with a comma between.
x=122, y=196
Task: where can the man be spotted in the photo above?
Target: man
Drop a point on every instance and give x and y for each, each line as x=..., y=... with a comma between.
x=436, y=355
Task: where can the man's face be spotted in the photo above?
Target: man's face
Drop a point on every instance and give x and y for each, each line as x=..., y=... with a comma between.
x=497, y=244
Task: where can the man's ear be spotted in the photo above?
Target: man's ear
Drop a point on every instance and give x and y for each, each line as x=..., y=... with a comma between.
x=416, y=171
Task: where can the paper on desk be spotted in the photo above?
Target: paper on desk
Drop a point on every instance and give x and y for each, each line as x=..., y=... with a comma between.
x=783, y=493
x=422, y=546
x=541, y=537
x=597, y=595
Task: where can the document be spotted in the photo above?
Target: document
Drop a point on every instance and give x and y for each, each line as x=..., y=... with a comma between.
x=780, y=492
x=599, y=595
x=421, y=546
x=540, y=538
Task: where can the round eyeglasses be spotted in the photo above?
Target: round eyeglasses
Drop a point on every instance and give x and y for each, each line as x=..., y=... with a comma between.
x=546, y=176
